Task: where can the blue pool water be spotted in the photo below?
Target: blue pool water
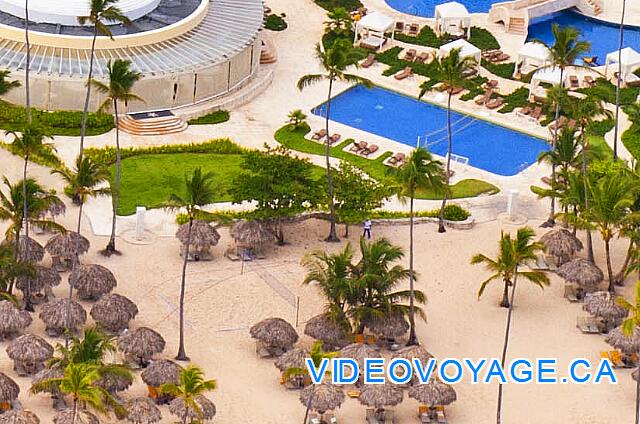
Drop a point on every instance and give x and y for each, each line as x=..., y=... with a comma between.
x=602, y=35
x=426, y=8
x=401, y=118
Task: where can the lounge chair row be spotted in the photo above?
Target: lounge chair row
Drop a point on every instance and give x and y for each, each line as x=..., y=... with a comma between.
x=328, y=418
x=364, y=149
x=413, y=56
x=588, y=325
x=587, y=80
x=495, y=56
x=487, y=100
x=321, y=134
x=561, y=123
x=411, y=29
x=532, y=113
x=370, y=60
x=405, y=73
x=374, y=417
x=396, y=160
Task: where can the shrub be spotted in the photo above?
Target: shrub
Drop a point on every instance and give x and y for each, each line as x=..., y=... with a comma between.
x=504, y=70
x=480, y=37
x=332, y=4
x=47, y=158
x=631, y=140
x=275, y=23
x=606, y=91
x=517, y=98
x=600, y=128
x=216, y=117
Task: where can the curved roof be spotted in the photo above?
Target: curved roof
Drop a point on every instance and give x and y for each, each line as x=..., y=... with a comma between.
x=227, y=28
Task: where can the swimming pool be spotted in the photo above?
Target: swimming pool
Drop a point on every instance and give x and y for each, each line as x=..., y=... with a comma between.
x=426, y=8
x=602, y=35
x=401, y=118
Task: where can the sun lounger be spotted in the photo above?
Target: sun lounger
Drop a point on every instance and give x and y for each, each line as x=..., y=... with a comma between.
x=587, y=325
x=335, y=138
x=570, y=293
x=573, y=80
x=423, y=57
x=524, y=112
x=411, y=55
x=491, y=84
x=370, y=60
x=356, y=147
x=495, y=103
x=388, y=416
x=367, y=152
x=536, y=114
x=616, y=359
x=559, y=124
x=414, y=29
x=399, y=27
x=456, y=90
x=353, y=393
x=485, y=97
x=406, y=72
x=500, y=57
x=469, y=72
x=489, y=53
x=319, y=135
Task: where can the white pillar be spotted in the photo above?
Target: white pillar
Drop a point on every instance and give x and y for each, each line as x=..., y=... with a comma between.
x=511, y=203
x=140, y=212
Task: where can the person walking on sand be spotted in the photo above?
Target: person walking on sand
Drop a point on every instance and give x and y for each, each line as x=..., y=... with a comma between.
x=367, y=229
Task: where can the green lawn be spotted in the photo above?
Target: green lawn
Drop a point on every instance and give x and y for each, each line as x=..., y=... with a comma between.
x=294, y=140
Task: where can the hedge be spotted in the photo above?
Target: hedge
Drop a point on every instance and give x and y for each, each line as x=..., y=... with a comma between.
x=503, y=70
x=275, y=23
x=216, y=117
x=631, y=140
x=333, y=4
x=480, y=37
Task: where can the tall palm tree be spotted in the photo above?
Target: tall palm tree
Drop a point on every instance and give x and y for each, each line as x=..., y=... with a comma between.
x=619, y=81
x=6, y=86
x=192, y=384
x=339, y=21
x=334, y=61
x=514, y=252
x=564, y=52
x=611, y=198
x=198, y=192
x=85, y=182
x=629, y=325
x=10, y=268
x=420, y=172
x=118, y=89
x=101, y=12
x=27, y=71
x=450, y=70
x=28, y=144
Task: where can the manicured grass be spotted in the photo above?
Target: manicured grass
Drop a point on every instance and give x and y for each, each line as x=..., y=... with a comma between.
x=631, y=140
x=216, y=117
x=294, y=140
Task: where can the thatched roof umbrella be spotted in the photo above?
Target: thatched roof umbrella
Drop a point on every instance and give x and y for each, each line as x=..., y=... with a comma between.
x=29, y=352
x=251, y=234
x=45, y=277
x=16, y=416
x=54, y=315
x=36, y=251
x=619, y=340
x=9, y=389
x=581, y=272
x=561, y=244
x=113, y=312
x=142, y=411
x=410, y=352
x=326, y=397
x=46, y=374
x=64, y=245
x=113, y=383
x=359, y=351
x=380, y=395
x=434, y=393
x=321, y=327
x=141, y=344
x=277, y=334
x=203, y=237
x=12, y=319
x=82, y=417
x=207, y=409
x=603, y=304
x=294, y=358
x=160, y=372
x=389, y=326
x=56, y=208
x=92, y=281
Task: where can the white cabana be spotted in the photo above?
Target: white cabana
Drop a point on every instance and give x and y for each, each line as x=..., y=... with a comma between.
x=629, y=59
x=466, y=50
x=371, y=29
x=531, y=55
x=453, y=18
x=546, y=75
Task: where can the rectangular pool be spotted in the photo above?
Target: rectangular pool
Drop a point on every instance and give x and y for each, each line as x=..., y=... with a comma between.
x=484, y=145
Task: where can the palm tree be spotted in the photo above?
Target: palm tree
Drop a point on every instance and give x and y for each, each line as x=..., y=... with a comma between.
x=619, y=81
x=317, y=355
x=296, y=118
x=334, y=61
x=451, y=71
x=10, y=268
x=28, y=144
x=630, y=325
x=198, y=192
x=513, y=254
x=612, y=197
x=118, y=89
x=339, y=21
x=6, y=86
x=564, y=52
x=192, y=385
x=101, y=12
x=420, y=172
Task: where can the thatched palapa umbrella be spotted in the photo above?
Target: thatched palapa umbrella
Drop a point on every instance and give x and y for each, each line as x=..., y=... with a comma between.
x=411, y=352
x=62, y=248
x=45, y=279
x=29, y=353
x=561, y=245
x=207, y=409
x=114, y=383
x=12, y=320
x=627, y=345
x=203, y=237
x=113, y=312
x=92, y=281
x=294, y=358
x=19, y=417
x=47, y=374
x=603, y=304
x=582, y=273
x=54, y=315
x=141, y=344
x=82, y=417
x=160, y=372
x=142, y=411
x=379, y=396
x=434, y=393
x=251, y=234
x=36, y=251
x=322, y=327
x=9, y=391
x=276, y=334
x=359, y=352
x=389, y=326
x=324, y=397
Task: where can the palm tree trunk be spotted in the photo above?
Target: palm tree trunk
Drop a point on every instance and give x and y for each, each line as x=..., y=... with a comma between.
x=620, y=44
x=607, y=252
x=85, y=110
x=585, y=177
x=182, y=356
x=346, y=229
x=506, y=341
x=619, y=278
x=28, y=64
x=309, y=402
x=74, y=414
x=504, y=303
x=115, y=195
x=74, y=263
x=552, y=208
x=28, y=306
x=333, y=236
x=413, y=339
x=441, y=228
x=638, y=397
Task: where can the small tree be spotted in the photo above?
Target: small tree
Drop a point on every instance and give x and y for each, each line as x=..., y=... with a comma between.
x=356, y=195
x=629, y=326
x=297, y=119
x=5, y=85
x=339, y=22
x=192, y=385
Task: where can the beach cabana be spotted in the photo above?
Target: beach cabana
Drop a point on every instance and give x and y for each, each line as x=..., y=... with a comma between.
x=583, y=273
x=207, y=409
x=602, y=304
x=156, y=374
x=141, y=344
x=273, y=335
x=9, y=391
x=12, y=320
x=544, y=76
x=466, y=50
x=452, y=18
x=323, y=397
x=62, y=248
x=531, y=56
x=92, y=281
x=371, y=30
x=323, y=328
x=21, y=416
x=29, y=353
x=629, y=59
x=45, y=278
x=82, y=417
x=561, y=245
x=142, y=411
x=203, y=237
x=54, y=315
x=380, y=396
x=113, y=312
x=433, y=394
